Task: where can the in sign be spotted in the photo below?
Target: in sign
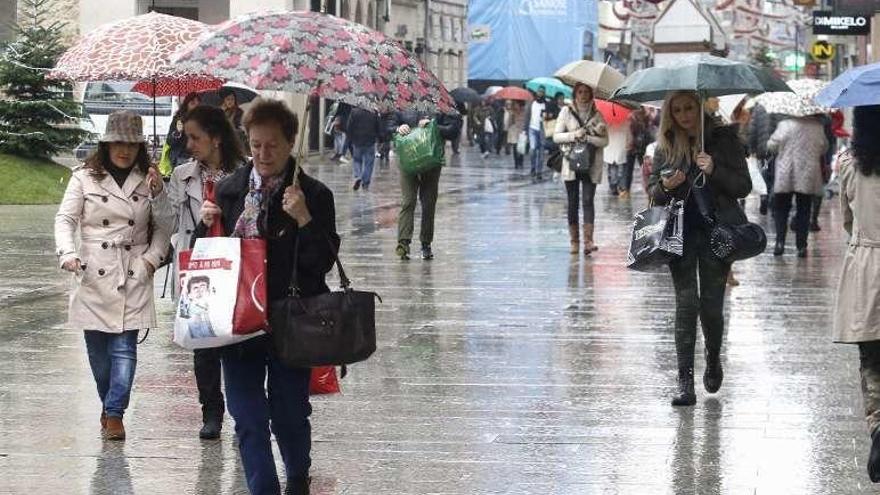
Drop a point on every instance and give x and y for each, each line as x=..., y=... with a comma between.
x=822, y=51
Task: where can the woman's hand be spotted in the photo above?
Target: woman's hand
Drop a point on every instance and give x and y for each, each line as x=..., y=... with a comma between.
x=209, y=213
x=154, y=180
x=403, y=130
x=704, y=161
x=424, y=122
x=294, y=204
x=72, y=266
x=580, y=134
x=672, y=181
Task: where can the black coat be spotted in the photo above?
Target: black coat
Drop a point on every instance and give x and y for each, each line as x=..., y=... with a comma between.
x=315, y=258
x=363, y=127
x=729, y=181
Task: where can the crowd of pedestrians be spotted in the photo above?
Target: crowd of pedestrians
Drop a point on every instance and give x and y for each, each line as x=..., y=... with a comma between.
x=233, y=173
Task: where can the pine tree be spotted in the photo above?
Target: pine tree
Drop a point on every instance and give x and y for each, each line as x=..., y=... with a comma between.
x=38, y=117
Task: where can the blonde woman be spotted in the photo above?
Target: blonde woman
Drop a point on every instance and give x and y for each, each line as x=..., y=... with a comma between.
x=678, y=163
x=581, y=122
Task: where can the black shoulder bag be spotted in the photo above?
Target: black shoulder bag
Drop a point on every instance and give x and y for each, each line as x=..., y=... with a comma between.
x=330, y=329
x=580, y=154
x=728, y=242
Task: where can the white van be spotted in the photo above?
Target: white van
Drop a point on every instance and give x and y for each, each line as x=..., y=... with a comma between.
x=101, y=98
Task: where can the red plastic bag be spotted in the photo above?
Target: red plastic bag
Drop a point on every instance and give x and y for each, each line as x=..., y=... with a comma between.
x=324, y=381
x=250, y=304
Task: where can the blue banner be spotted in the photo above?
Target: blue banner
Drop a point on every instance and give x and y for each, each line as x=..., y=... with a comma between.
x=522, y=39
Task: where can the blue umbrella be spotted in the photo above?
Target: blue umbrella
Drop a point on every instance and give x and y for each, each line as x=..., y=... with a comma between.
x=552, y=86
x=856, y=87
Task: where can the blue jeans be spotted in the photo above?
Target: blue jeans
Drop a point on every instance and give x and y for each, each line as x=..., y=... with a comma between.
x=288, y=408
x=113, y=359
x=363, y=158
x=339, y=143
x=536, y=143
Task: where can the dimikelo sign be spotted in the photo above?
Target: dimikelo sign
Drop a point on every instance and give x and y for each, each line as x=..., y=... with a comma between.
x=827, y=22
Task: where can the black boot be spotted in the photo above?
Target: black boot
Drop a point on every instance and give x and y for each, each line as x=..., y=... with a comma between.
x=686, y=395
x=714, y=374
x=779, y=249
x=297, y=486
x=212, y=423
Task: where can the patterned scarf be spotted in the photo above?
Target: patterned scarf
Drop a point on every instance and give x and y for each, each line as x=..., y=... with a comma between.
x=210, y=177
x=259, y=191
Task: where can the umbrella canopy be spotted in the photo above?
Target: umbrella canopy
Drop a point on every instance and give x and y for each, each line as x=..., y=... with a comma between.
x=491, y=90
x=512, y=93
x=135, y=49
x=603, y=78
x=176, y=86
x=551, y=85
x=465, y=95
x=856, y=87
x=320, y=55
x=243, y=94
x=614, y=113
x=797, y=104
x=705, y=74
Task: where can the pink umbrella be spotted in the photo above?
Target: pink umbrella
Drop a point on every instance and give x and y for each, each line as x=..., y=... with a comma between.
x=512, y=93
x=318, y=55
x=176, y=86
x=134, y=49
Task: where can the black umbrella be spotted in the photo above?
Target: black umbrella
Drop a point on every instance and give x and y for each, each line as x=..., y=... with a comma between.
x=465, y=95
x=243, y=94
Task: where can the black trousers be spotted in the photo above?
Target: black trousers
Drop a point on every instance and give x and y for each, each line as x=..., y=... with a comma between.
x=207, y=368
x=869, y=368
x=700, y=280
x=573, y=189
x=782, y=209
x=625, y=180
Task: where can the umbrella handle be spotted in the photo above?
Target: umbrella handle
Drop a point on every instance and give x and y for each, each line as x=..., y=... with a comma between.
x=301, y=152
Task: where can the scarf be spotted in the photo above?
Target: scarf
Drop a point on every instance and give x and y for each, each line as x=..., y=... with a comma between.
x=260, y=189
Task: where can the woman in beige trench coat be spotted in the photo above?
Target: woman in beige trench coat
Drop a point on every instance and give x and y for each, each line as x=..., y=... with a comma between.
x=591, y=129
x=108, y=234
x=857, y=308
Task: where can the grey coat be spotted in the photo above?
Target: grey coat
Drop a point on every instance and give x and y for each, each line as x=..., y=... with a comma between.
x=800, y=145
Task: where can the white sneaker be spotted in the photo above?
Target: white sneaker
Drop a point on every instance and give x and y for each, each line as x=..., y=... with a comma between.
x=343, y=159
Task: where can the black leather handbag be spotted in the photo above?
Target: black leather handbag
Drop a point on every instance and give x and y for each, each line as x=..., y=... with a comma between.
x=331, y=329
x=728, y=242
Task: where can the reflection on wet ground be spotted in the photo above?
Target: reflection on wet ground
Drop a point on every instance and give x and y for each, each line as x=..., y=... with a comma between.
x=506, y=366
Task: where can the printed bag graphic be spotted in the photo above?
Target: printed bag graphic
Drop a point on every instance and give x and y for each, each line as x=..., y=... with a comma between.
x=222, y=292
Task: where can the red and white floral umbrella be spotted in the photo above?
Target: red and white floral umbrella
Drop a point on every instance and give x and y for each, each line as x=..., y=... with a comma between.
x=134, y=49
x=317, y=54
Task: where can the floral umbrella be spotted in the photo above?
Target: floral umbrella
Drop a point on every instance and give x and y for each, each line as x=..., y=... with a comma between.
x=319, y=55
x=797, y=104
x=176, y=86
x=134, y=49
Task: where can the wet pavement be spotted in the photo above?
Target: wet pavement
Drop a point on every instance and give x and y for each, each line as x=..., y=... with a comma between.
x=505, y=366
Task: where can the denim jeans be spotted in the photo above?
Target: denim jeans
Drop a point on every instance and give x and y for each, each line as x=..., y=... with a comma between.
x=536, y=144
x=363, y=158
x=113, y=359
x=287, y=407
x=339, y=143
x=572, y=189
x=613, y=177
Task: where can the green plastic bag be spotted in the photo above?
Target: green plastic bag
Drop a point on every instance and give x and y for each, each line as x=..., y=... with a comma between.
x=420, y=150
x=165, y=166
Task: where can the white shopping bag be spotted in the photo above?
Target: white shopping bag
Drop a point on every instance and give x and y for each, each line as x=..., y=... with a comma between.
x=758, y=184
x=208, y=286
x=522, y=143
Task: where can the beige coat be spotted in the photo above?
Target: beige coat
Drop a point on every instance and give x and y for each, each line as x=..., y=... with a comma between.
x=597, y=135
x=799, y=144
x=515, y=123
x=857, y=310
x=111, y=230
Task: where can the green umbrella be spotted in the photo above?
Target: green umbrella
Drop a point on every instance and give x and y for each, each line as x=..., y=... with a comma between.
x=552, y=86
x=705, y=74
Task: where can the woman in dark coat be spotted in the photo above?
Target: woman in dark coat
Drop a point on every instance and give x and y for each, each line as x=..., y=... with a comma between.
x=258, y=200
x=176, y=137
x=679, y=163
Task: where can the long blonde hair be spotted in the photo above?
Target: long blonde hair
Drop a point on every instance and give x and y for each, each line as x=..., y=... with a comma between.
x=672, y=140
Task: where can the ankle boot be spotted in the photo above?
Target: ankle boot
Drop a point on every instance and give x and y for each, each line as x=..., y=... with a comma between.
x=686, y=395
x=589, y=247
x=574, y=238
x=212, y=423
x=779, y=249
x=874, y=458
x=714, y=374
x=115, y=430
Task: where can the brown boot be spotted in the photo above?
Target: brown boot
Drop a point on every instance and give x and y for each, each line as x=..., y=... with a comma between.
x=589, y=247
x=114, y=430
x=103, y=421
x=575, y=239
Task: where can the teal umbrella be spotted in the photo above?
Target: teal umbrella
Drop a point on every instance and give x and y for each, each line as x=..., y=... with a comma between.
x=705, y=74
x=552, y=86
